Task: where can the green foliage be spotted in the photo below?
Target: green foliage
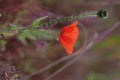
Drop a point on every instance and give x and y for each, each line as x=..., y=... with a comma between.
x=29, y=32
x=37, y=34
x=12, y=27
x=25, y=34
x=33, y=33
x=36, y=22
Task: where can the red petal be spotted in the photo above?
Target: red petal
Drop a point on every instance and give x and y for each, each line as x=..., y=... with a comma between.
x=69, y=28
x=68, y=47
x=68, y=36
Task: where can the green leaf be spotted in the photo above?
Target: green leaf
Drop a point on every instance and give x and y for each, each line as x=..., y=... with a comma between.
x=44, y=34
x=36, y=22
x=25, y=34
x=11, y=27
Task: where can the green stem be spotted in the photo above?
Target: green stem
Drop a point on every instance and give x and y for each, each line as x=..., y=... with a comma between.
x=68, y=19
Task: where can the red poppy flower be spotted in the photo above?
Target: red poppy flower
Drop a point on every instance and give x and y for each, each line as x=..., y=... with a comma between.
x=68, y=36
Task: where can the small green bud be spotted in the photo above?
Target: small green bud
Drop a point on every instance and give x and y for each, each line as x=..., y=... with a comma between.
x=102, y=13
